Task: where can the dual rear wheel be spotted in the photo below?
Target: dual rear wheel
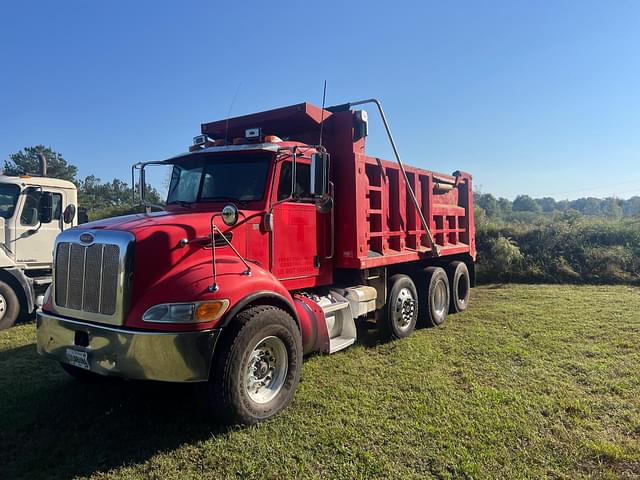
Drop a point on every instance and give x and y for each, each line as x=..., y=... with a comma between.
x=257, y=368
x=427, y=301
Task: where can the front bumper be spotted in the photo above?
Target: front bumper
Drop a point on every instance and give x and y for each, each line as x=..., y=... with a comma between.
x=142, y=355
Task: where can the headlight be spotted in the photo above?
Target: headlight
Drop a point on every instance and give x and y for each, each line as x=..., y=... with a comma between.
x=186, y=312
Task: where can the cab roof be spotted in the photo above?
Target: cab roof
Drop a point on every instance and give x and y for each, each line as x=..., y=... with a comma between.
x=291, y=122
x=30, y=180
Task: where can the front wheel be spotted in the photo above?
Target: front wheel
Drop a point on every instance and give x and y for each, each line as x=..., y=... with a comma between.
x=257, y=369
x=9, y=306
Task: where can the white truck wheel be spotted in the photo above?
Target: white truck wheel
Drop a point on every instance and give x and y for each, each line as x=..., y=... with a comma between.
x=9, y=306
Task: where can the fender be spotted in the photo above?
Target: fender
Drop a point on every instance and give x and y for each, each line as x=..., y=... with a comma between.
x=191, y=282
x=262, y=297
x=315, y=336
x=5, y=257
x=22, y=285
x=305, y=313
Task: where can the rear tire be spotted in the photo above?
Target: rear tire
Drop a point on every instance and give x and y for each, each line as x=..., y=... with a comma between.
x=433, y=300
x=460, y=286
x=401, y=312
x=9, y=306
x=257, y=369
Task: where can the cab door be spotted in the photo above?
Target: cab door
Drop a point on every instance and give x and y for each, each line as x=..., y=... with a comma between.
x=34, y=238
x=298, y=236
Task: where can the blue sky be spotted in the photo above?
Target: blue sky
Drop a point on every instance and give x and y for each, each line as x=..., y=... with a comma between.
x=535, y=97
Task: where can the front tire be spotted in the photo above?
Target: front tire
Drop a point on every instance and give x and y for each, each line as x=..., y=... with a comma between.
x=257, y=369
x=9, y=306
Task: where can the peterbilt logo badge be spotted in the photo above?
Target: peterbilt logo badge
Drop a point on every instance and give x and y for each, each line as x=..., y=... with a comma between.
x=86, y=238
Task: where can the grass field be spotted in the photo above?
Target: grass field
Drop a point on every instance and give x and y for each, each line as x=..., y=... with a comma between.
x=531, y=382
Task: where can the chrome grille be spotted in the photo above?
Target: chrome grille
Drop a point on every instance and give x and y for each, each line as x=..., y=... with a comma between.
x=86, y=277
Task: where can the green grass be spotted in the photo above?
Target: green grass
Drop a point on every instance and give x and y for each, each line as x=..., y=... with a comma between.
x=531, y=382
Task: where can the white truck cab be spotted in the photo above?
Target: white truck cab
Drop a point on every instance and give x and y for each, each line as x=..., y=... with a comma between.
x=33, y=211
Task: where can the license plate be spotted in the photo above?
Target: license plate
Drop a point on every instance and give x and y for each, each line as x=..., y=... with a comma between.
x=77, y=358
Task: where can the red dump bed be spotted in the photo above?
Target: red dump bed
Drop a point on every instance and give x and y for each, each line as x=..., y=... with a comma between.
x=376, y=223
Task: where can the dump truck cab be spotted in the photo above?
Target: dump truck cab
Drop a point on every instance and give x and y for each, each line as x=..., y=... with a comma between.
x=33, y=211
x=268, y=187
x=271, y=245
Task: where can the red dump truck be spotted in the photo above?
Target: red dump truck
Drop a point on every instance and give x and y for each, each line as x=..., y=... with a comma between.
x=278, y=234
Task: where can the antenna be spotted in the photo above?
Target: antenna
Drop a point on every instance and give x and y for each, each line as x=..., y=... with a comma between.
x=324, y=94
x=226, y=128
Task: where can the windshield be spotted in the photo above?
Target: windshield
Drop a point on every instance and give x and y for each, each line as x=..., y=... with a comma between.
x=216, y=177
x=8, y=198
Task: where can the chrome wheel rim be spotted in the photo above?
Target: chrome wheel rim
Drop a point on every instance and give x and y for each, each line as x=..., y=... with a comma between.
x=266, y=369
x=404, y=309
x=3, y=307
x=440, y=302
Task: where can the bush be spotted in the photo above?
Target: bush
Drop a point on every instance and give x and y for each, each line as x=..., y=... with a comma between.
x=562, y=248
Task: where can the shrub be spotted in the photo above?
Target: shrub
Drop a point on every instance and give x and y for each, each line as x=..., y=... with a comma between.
x=563, y=248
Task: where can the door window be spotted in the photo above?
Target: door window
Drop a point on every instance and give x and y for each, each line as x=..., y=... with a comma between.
x=56, y=207
x=30, y=215
x=303, y=178
x=8, y=198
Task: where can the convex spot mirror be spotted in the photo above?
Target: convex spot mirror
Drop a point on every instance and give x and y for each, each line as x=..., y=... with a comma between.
x=319, y=174
x=229, y=214
x=45, y=208
x=69, y=213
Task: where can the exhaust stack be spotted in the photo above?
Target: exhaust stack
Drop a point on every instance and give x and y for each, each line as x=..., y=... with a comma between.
x=43, y=164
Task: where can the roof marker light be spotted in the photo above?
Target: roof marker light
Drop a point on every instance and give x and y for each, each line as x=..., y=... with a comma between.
x=253, y=132
x=200, y=140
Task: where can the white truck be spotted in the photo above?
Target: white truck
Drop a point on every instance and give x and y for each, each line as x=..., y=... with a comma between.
x=33, y=211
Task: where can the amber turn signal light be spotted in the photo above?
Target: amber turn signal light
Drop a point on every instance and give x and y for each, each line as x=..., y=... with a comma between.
x=208, y=311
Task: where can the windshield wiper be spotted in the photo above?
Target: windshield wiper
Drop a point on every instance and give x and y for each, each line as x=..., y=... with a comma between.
x=227, y=199
x=182, y=203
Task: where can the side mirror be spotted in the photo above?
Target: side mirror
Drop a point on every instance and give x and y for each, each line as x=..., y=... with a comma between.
x=45, y=209
x=83, y=217
x=69, y=213
x=319, y=174
x=267, y=222
x=324, y=204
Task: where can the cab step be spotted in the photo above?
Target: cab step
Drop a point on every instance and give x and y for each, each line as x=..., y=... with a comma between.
x=341, y=325
x=340, y=343
x=341, y=308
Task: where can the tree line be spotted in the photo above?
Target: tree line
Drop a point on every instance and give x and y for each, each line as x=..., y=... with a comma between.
x=99, y=199
x=589, y=240
x=609, y=207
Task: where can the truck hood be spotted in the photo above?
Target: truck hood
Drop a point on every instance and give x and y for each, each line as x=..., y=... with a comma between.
x=171, y=242
x=134, y=221
x=190, y=223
